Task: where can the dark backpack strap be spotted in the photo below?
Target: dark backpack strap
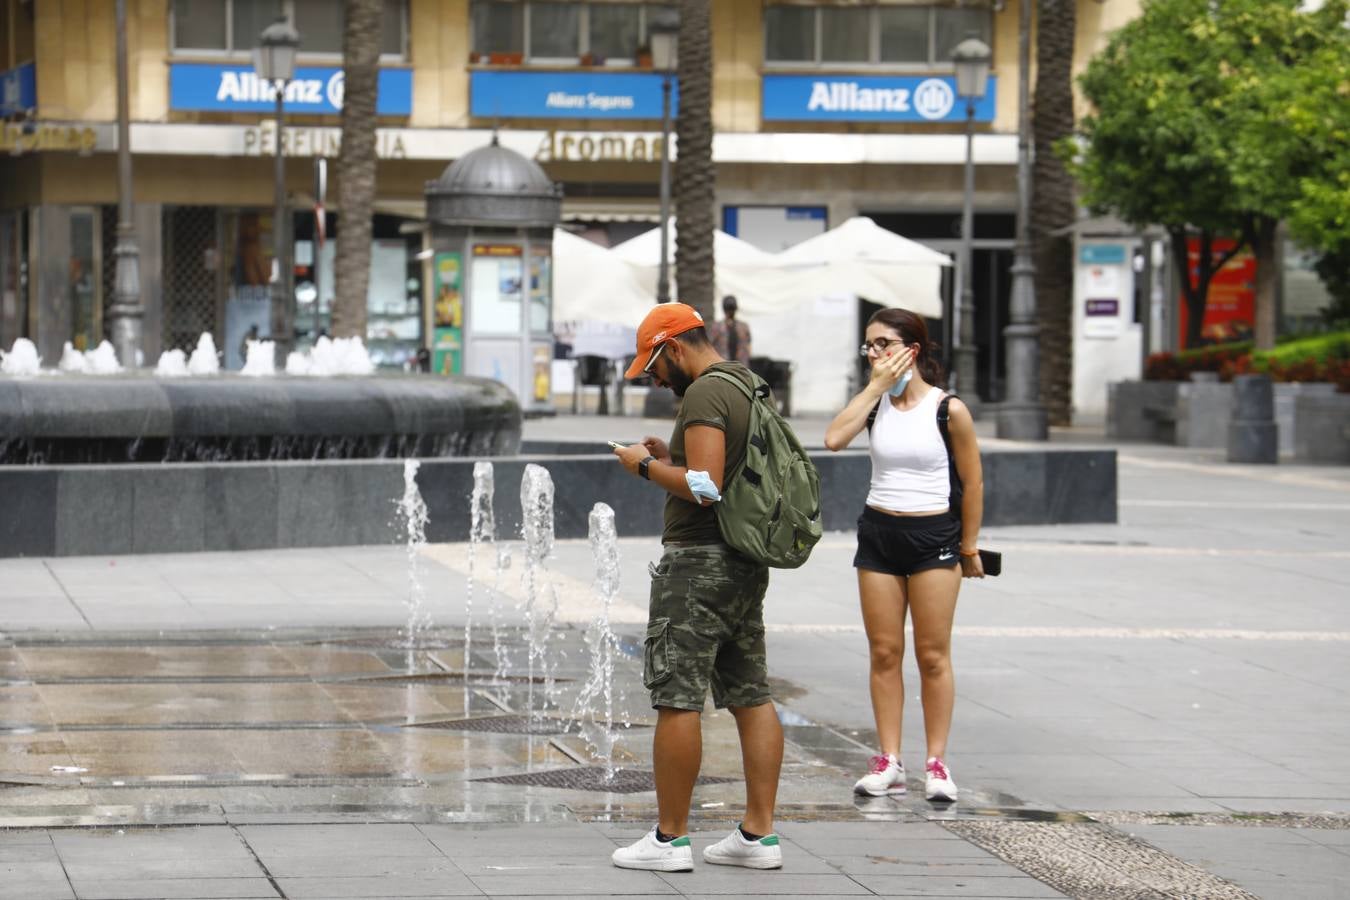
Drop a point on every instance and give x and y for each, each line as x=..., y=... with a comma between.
x=953, y=477
x=872, y=416
x=759, y=390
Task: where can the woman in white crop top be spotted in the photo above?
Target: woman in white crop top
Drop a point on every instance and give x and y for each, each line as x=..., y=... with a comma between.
x=913, y=549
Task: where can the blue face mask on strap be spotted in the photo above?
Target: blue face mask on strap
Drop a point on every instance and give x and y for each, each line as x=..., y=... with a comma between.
x=899, y=387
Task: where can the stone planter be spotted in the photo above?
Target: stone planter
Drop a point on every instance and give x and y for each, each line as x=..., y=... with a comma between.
x=1286, y=408
x=1204, y=406
x=1142, y=411
x=1321, y=431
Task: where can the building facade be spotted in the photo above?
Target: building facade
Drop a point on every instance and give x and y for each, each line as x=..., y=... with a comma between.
x=823, y=110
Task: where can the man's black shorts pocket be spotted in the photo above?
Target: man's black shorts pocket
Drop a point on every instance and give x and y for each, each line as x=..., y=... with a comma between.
x=656, y=651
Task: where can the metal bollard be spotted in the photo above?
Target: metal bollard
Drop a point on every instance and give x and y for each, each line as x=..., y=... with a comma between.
x=1253, y=436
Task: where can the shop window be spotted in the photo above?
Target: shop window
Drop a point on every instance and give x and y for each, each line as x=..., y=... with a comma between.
x=844, y=34
x=233, y=26
x=918, y=36
x=614, y=30
x=904, y=34
x=555, y=30
x=790, y=33
x=552, y=31
x=83, y=282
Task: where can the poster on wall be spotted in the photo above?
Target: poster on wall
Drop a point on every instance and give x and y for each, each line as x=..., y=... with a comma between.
x=495, y=289
x=1230, y=308
x=543, y=370
x=448, y=315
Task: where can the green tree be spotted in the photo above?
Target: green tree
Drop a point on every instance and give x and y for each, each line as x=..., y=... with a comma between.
x=695, y=177
x=1053, y=207
x=356, y=165
x=1190, y=130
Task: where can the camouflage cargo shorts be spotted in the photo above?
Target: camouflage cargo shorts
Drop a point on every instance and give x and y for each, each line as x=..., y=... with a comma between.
x=705, y=628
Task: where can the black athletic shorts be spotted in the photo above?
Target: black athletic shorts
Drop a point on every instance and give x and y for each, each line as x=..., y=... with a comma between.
x=903, y=545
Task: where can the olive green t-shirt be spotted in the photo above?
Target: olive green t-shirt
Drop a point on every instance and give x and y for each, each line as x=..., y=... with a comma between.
x=714, y=402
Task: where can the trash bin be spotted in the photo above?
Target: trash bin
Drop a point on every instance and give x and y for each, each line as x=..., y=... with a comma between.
x=592, y=371
x=777, y=373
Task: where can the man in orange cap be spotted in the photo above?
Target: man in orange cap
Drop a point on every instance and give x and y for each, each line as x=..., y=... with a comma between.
x=705, y=626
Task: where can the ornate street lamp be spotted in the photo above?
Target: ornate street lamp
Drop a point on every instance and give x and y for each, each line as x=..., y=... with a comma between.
x=1021, y=416
x=274, y=61
x=127, y=312
x=971, y=57
x=665, y=43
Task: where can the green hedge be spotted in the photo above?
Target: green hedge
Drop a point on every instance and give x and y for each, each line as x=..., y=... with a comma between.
x=1322, y=357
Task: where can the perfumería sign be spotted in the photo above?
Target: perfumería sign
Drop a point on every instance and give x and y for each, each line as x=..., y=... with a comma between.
x=18, y=140
x=567, y=95
x=390, y=143
x=869, y=98
x=564, y=146
x=314, y=90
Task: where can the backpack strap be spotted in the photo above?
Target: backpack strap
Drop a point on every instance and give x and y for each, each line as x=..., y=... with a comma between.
x=953, y=477
x=872, y=416
x=760, y=391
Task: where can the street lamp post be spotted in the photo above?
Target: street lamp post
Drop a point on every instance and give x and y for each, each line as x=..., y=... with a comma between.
x=127, y=312
x=971, y=57
x=274, y=61
x=1021, y=416
x=665, y=37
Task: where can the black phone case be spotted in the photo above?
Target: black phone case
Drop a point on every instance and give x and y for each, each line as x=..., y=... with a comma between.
x=992, y=561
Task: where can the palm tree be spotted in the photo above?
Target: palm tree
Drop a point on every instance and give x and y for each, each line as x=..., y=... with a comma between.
x=1052, y=204
x=694, y=174
x=356, y=164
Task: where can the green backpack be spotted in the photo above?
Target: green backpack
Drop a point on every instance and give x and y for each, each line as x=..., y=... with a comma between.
x=770, y=506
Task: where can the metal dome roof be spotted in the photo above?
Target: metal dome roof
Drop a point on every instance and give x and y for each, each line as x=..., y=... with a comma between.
x=494, y=184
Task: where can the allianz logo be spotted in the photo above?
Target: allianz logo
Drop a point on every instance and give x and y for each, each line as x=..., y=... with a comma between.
x=932, y=99
x=244, y=86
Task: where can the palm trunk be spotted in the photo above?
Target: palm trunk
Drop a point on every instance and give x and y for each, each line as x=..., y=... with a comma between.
x=694, y=175
x=1052, y=205
x=356, y=165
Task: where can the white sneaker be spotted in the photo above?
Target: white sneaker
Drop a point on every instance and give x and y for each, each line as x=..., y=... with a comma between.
x=653, y=855
x=939, y=785
x=735, y=850
x=887, y=776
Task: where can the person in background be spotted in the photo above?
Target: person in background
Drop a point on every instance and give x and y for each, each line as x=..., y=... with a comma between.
x=913, y=547
x=731, y=336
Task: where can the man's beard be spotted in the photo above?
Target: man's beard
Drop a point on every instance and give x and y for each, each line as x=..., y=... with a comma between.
x=678, y=381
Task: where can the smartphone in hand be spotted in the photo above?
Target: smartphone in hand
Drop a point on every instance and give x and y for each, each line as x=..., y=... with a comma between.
x=616, y=445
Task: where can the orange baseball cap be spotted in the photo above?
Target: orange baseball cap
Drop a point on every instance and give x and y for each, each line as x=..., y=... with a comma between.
x=665, y=321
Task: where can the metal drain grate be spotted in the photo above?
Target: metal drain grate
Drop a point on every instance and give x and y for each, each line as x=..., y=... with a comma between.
x=503, y=725
x=1095, y=862
x=592, y=778
x=473, y=678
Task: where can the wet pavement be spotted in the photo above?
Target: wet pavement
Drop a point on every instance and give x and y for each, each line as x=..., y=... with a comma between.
x=1151, y=709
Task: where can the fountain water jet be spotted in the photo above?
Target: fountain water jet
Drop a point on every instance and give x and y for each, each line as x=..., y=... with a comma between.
x=600, y=735
x=482, y=529
x=541, y=597
x=412, y=510
x=22, y=359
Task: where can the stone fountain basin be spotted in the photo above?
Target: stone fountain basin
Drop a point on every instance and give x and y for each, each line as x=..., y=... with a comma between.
x=143, y=418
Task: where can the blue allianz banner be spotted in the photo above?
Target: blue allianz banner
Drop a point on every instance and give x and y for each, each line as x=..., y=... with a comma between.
x=567, y=95
x=869, y=98
x=18, y=90
x=318, y=90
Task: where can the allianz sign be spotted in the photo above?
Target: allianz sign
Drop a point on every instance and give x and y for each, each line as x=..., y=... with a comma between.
x=315, y=90
x=877, y=98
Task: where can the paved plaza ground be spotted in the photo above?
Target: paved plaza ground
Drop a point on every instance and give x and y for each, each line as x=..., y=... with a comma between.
x=1156, y=708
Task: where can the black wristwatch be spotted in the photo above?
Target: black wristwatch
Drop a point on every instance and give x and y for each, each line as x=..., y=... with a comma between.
x=642, y=467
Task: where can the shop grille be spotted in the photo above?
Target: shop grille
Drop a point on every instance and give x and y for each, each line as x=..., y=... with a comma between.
x=192, y=261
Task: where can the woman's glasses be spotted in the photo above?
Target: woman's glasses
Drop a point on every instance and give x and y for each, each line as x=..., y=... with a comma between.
x=879, y=346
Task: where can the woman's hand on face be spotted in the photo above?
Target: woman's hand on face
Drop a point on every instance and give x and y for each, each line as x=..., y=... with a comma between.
x=972, y=567
x=886, y=370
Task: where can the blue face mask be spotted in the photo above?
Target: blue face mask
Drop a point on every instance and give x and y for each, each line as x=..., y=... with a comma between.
x=899, y=387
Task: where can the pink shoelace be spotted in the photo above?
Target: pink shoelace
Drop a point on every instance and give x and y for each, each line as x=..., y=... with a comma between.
x=938, y=769
x=880, y=764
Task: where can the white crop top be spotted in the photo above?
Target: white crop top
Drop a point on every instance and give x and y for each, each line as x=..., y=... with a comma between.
x=909, y=459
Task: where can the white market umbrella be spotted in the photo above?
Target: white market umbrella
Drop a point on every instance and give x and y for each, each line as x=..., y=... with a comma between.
x=864, y=259
x=645, y=250
x=591, y=283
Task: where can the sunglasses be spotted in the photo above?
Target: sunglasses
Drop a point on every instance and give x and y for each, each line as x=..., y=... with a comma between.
x=647, y=369
x=879, y=346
